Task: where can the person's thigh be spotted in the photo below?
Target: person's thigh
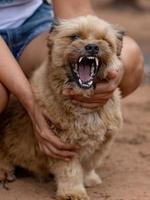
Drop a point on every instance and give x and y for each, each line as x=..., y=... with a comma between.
x=34, y=54
x=132, y=59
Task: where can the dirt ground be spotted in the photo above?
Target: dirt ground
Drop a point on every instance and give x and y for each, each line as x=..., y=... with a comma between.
x=126, y=172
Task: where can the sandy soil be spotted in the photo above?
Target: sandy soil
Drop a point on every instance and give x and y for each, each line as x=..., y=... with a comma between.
x=126, y=172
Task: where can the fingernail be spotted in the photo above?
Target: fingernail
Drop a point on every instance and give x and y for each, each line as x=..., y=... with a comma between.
x=74, y=101
x=65, y=93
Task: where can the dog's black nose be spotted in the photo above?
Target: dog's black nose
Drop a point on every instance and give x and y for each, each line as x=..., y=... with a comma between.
x=92, y=48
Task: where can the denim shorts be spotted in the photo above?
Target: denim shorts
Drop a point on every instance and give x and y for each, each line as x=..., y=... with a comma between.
x=18, y=38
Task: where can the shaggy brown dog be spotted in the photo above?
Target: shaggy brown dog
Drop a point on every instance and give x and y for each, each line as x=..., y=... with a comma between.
x=81, y=51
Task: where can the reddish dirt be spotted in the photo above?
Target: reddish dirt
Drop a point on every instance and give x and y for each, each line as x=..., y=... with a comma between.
x=126, y=172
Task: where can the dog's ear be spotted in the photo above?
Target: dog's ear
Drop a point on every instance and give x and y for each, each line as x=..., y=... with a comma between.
x=55, y=24
x=53, y=31
x=120, y=33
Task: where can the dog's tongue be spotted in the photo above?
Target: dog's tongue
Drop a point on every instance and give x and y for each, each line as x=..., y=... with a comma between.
x=84, y=72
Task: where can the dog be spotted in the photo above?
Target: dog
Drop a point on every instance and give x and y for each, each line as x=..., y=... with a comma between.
x=81, y=51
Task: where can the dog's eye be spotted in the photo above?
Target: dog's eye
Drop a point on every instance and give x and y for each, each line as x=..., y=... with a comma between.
x=75, y=37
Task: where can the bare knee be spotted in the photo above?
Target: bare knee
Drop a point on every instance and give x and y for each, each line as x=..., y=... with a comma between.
x=32, y=56
x=3, y=98
x=132, y=59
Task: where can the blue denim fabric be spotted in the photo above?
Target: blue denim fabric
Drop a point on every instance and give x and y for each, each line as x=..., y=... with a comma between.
x=18, y=38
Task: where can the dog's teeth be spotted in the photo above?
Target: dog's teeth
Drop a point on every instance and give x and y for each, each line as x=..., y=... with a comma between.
x=76, y=67
x=93, y=66
x=90, y=83
x=97, y=62
x=92, y=70
x=90, y=58
x=80, y=59
x=85, y=85
x=80, y=81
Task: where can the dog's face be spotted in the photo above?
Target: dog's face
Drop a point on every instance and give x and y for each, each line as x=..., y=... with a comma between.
x=82, y=48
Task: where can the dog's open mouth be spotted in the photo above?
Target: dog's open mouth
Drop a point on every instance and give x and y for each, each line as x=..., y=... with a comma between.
x=85, y=70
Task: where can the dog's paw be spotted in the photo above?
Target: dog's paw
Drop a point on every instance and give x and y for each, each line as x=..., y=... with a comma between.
x=73, y=193
x=91, y=179
x=6, y=177
x=73, y=197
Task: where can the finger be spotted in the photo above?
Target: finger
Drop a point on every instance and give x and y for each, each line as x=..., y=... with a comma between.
x=55, y=141
x=69, y=92
x=61, y=146
x=60, y=153
x=112, y=74
x=103, y=88
x=95, y=99
x=46, y=151
x=89, y=105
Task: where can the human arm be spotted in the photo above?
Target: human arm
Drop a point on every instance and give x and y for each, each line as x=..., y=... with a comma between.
x=12, y=77
x=65, y=9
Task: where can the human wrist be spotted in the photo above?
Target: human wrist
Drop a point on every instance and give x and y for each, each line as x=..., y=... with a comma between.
x=77, y=13
x=72, y=8
x=27, y=99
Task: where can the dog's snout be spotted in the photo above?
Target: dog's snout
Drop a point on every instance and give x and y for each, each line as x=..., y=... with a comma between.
x=92, y=48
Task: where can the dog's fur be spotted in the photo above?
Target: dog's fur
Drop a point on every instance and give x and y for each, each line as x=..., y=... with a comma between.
x=92, y=129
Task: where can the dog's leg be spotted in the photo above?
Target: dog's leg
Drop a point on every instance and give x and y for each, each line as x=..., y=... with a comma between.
x=6, y=171
x=91, y=179
x=69, y=177
x=90, y=176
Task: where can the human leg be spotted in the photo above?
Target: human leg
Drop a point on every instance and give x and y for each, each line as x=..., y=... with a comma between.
x=132, y=59
x=34, y=54
x=34, y=50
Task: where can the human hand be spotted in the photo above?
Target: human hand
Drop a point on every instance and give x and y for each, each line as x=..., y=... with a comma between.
x=102, y=93
x=48, y=142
